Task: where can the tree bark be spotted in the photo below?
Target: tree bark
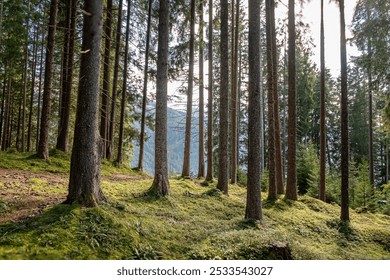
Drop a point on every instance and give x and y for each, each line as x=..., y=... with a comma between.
x=253, y=204
x=43, y=147
x=145, y=90
x=322, y=110
x=110, y=142
x=25, y=91
x=66, y=100
x=278, y=149
x=272, y=192
x=106, y=78
x=40, y=91
x=291, y=187
x=234, y=96
x=370, y=122
x=187, y=140
x=209, y=175
x=124, y=88
x=84, y=182
x=160, y=184
x=223, y=172
x=344, y=120
x=201, y=94
x=32, y=90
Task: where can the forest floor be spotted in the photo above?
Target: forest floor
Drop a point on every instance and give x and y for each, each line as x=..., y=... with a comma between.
x=195, y=222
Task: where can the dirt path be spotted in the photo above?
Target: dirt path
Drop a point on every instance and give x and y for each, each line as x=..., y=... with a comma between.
x=24, y=194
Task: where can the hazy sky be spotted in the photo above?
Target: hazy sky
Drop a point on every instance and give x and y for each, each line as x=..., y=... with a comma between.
x=312, y=15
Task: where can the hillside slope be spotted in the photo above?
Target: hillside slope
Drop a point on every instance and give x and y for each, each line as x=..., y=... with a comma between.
x=195, y=222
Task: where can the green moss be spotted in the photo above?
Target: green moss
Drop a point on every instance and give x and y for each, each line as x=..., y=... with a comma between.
x=194, y=222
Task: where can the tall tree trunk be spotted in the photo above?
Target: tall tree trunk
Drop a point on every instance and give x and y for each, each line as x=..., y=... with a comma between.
x=322, y=110
x=84, y=182
x=40, y=90
x=272, y=192
x=160, y=184
x=253, y=205
x=64, y=74
x=17, y=145
x=223, y=172
x=370, y=122
x=43, y=147
x=24, y=93
x=7, y=111
x=124, y=88
x=234, y=97
x=110, y=142
x=187, y=140
x=2, y=105
x=66, y=99
x=106, y=78
x=344, y=120
x=145, y=90
x=291, y=187
x=278, y=146
x=209, y=175
x=201, y=94
x=32, y=90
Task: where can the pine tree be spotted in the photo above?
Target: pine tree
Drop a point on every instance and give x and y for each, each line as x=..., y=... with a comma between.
x=84, y=182
x=223, y=172
x=291, y=187
x=253, y=206
x=160, y=184
x=43, y=147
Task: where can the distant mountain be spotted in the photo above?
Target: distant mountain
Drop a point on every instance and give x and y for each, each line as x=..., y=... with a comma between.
x=176, y=129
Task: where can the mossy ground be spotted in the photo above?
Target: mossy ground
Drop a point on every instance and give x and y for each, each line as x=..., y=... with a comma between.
x=194, y=222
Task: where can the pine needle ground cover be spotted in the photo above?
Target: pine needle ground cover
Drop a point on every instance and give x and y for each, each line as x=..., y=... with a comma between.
x=194, y=222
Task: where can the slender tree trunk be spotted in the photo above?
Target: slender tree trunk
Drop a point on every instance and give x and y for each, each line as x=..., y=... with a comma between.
x=272, y=192
x=110, y=142
x=106, y=78
x=322, y=110
x=84, y=182
x=278, y=146
x=66, y=99
x=291, y=187
x=43, y=147
x=209, y=175
x=7, y=112
x=40, y=91
x=187, y=140
x=2, y=105
x=64, y=74
x=17, y=145
x=124, y=88
x=24, y=94
x=344, y=120
x=145, y=90
x=234, y=96
x=32, y=90
x=201, y=94
x=253, y=205
x=223, y=172
x=160, y=184
x=262, y=143
x=370, y=122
